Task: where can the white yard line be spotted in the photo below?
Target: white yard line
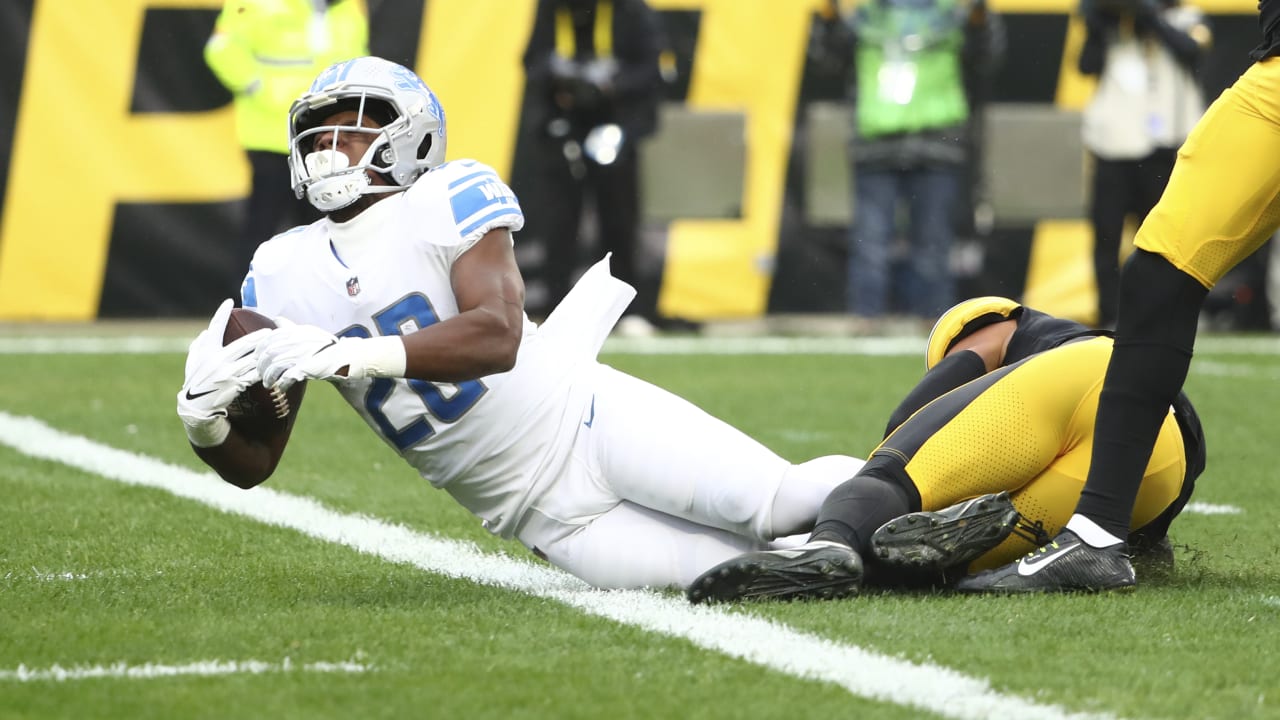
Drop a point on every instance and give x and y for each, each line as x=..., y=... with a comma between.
x=864, y=673
x=92, y=346
x=42, y=576
x=661, y=345
x=147, y=671
x=1203, y=508
x=1216, y=368
x=129, y=345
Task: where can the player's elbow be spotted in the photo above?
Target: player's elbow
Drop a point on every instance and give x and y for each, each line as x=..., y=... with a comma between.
x=506, y=347
x=505, y=331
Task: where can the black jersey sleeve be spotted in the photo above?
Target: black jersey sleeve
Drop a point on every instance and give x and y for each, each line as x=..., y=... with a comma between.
x=1269, y=20
x=1039, y=331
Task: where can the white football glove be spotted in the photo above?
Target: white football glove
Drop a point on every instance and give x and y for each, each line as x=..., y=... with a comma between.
x=356, y=358
x=288, y=345
x=215, y=376
x=294, y=353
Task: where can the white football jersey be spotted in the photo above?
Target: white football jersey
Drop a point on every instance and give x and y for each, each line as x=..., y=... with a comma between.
x=489, y=442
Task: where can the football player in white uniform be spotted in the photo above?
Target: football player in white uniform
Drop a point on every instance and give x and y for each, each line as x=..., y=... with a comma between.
x=407, y=298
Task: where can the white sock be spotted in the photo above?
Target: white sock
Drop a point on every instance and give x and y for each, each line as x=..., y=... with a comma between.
x=801, y=492
x=1091, y=533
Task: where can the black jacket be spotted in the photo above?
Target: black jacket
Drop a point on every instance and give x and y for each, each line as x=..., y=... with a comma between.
x=636, y=86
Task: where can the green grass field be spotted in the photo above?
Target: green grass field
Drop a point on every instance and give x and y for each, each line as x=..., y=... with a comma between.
x=134, y=585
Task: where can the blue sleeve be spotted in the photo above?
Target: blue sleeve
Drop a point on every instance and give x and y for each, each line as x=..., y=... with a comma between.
x=249, y=291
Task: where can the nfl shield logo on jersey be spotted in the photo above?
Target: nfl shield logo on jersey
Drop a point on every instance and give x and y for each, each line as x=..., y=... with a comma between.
x=353, y=286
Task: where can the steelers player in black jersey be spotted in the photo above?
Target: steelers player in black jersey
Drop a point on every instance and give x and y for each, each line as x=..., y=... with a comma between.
x=1221, y=204
x=982, y=461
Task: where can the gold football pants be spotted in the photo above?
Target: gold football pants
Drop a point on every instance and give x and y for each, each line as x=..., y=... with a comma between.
x=1028, y=429
x=1223, y=198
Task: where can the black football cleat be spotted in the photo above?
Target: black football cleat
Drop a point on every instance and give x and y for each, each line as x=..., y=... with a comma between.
x=818, y=569
x=1066, y=564
x=948, y=538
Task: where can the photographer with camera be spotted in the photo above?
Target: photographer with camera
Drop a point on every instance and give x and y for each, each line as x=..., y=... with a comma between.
x=1145, y=54
x=594, y=85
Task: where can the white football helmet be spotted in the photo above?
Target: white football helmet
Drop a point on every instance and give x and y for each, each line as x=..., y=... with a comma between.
x=409, y=141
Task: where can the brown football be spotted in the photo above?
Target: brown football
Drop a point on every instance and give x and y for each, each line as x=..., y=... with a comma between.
x=258, y=413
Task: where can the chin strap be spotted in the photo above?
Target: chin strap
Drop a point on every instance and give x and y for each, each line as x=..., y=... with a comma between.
x=336, y=186
x=335, y=193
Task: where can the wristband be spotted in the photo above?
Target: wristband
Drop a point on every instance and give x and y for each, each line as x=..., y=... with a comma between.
x=385, y=356
x=208, y=433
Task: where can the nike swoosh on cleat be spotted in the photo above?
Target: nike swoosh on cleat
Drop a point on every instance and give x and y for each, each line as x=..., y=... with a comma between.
x=193, y=396
x=1028, y=567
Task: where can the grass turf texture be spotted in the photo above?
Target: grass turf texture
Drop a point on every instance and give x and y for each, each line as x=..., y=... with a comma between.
x=172, y=581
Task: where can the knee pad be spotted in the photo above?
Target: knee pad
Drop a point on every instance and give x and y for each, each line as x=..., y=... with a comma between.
x=878, y=494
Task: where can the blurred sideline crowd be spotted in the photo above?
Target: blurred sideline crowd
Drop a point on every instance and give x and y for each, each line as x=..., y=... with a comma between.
x=915, y=76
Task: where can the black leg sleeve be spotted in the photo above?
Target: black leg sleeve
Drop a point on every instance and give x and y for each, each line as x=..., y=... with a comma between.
x=880, y=492
x=954, y=370
x=1155, y=334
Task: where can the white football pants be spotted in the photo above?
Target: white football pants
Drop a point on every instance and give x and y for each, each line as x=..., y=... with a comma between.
x=657, y=491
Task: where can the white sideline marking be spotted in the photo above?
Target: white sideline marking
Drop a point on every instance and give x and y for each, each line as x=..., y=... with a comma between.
x=661, y=345
x=1202, y=508
x=1215, y=368
x=92, y=346
x=626, y=346
x=42, y=576
x=864, y=673
x=148, y=671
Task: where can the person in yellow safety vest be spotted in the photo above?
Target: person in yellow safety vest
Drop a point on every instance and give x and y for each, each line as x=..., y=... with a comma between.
x=266, y=52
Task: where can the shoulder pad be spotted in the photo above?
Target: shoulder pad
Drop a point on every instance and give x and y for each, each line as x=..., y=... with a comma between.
x=479, y=200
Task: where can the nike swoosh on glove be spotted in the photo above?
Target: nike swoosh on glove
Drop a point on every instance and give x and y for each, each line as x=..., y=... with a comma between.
x=350, y=359
x=215, y=376
x=288, y=345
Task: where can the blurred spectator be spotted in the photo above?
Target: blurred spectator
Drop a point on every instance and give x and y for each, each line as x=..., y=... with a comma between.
x=594, y=85
x=1145, y=54
x=266, y=52
x=914, y=60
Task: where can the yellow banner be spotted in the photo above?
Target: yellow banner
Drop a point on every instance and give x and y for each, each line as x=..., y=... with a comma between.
x=78, y=151
x=722, y=268
x=1058, y=7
